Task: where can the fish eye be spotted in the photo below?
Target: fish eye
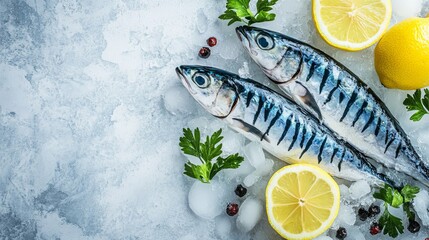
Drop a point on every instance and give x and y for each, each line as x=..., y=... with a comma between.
x=265, y=41
x=201, y=80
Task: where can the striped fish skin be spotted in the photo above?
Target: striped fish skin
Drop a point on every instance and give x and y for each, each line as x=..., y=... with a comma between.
x=283, y=128
x=335, y=95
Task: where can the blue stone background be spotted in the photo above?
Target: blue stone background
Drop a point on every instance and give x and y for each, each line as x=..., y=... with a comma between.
x=87, y=148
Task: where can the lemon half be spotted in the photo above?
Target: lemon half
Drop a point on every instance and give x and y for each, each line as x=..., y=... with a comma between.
x=302, y=201
x=352, y=24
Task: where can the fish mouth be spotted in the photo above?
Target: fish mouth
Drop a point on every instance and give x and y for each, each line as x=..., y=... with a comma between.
x=184, y=80
x=240, y=33
x=244, y=38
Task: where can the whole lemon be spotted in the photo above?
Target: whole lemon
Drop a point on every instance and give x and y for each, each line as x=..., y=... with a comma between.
x=402, y=55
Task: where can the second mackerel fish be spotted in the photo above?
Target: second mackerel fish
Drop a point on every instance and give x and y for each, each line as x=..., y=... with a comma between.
x=336, y=96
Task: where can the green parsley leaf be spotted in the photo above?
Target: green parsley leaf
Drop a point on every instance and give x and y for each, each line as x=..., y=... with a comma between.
x=417, y=103
x=200, y=172
x=397, y=199
x=240, y=7
x=409, y=192
x=230, y=15
x=232, y=161
x=390, y=196
x=390, y=224
x=239, y=11
x=407, y=209
x=385, y=194
x=190, y=144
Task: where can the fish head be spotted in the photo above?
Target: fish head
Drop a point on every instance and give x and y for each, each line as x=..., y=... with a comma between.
x=275, y=53
x=212, y=88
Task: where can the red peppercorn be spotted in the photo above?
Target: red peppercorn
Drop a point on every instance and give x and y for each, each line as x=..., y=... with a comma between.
x=212, y=41
x=375, y=229
x=232, y=209
x=204, y=52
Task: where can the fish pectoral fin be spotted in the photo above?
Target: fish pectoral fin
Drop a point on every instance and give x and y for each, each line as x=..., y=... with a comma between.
x=301, y=93
x=239, y=123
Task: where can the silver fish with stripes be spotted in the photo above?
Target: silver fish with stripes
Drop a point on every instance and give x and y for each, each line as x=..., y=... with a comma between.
x=284, y=129
x=336, y=96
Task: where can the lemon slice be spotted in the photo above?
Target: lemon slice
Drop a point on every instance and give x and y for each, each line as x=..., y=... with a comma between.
x=352, y=24
x=302, y=201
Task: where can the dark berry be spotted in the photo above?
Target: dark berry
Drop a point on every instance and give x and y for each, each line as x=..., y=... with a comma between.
x=373, y=210
x=341, y=233
x=363, y=214
x=413, y=226
x=204, y=52
x=240, y=190
x=426, y=238
x=212, y=41
x=375, y=229
x=232, y=209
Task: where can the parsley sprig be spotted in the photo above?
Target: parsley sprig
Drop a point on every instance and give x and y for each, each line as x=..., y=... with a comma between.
x=409, y=193
x=417, y=103
x=191, y=144
x=239, y=11
x=391, y=224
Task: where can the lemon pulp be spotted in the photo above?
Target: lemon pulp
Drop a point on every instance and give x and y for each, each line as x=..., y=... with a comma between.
x=302, y=201
x=351, y=24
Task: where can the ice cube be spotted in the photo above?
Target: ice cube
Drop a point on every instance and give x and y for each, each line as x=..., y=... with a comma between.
x=393, y=99
x=346, y=216
x=359, y=189
x=253, y=151
x=251, y=179
x=421, y=205
x=207, y=200
x=406, y=9
x=344, y=191
x=178, y=101
x=265, y=168
x=258, y=189
x=223, y=226
x=232, y=141
x=242, y=171
x=249, y=214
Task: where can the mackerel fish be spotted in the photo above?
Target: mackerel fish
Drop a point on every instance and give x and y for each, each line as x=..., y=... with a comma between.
x=336, y=96
x=281, y=126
